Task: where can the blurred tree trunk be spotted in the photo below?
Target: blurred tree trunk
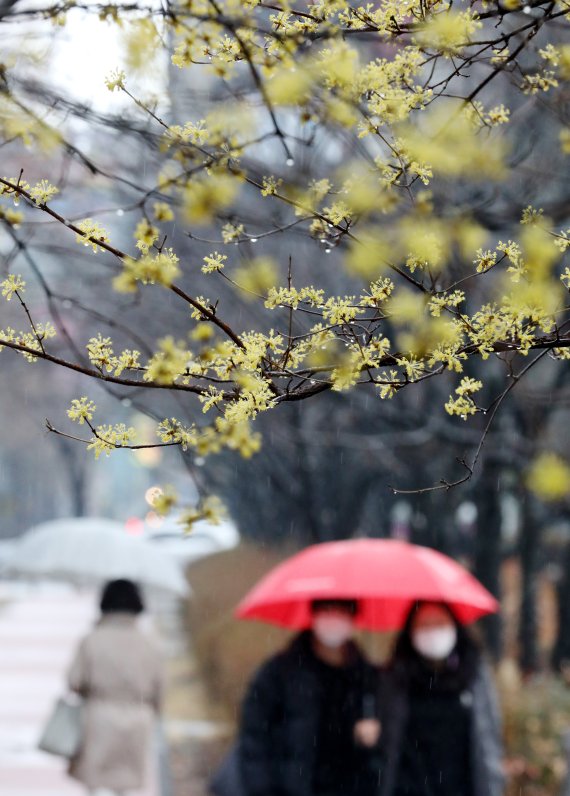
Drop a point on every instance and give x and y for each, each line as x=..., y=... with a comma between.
x=488, y=549
x=561, y=651
x=317, y=478
x=434, y=518
x=529, y=550
x=75, y=464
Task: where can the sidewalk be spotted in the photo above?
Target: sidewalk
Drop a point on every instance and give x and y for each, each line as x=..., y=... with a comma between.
x=39, y=630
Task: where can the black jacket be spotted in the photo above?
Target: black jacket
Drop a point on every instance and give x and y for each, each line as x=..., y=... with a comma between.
x=486, y=745
x=279, y=731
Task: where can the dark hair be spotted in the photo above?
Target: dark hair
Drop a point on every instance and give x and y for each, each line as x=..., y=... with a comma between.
x=121, y=596
x=349, y=606
x=460, y=667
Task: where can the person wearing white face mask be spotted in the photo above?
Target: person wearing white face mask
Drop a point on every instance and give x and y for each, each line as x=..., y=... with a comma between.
x=308, y=724
x=441, y=724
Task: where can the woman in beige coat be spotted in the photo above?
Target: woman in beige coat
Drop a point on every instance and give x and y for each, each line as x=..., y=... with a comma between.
x=117, y=671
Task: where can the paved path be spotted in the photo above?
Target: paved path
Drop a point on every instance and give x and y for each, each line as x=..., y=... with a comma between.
x=39, y=630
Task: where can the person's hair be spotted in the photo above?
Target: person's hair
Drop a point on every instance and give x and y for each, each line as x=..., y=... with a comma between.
x=461, y=666
x=121, y=596
x=348, y=606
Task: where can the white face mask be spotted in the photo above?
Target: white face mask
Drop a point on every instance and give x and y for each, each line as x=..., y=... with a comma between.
x=435, y=643
x=333, y=630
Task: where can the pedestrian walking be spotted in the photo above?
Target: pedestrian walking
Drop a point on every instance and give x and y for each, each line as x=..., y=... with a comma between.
x=117, y=672
x=387, y=577
x=309, y=724
x=440, y=718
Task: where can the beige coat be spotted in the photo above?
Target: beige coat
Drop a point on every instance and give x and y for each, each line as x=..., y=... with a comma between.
x=118, y=672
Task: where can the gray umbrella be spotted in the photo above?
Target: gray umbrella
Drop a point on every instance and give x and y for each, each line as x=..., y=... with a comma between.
x=91, y=550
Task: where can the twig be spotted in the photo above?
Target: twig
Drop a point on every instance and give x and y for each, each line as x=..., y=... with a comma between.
x=447, y=485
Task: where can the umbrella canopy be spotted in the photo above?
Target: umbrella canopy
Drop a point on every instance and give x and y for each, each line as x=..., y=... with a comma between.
x=91, y=550
x=385, y=575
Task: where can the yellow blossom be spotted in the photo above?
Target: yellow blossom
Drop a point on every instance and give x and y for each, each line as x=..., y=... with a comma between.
x=211, y=509
x=202, y=333
x=448, y=31
x=257, y=278
x=141, y=40
x=81, y=410
x=161, y=269
x=213, y=262
x=549, y=477
x=163, y=212
x=203, y=198
x=370, y=255
x=463, y=404
x=100, y=353
x=169, y=363
x=12, y=217
x=108, y=437
x=485, y=260
x=42, y=192
x=452, y=147
x=11, y=285
x=145, y=235
x=232, y=232
x=347, y=371
x=270, y=186
x=164, y=499
x=115, y=80
x=290, y=87
x=92, y=235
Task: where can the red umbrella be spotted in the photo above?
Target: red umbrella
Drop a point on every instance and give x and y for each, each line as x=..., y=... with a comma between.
x=385, y=575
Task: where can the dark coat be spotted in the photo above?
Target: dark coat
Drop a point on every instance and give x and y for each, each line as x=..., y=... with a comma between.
x=486, y=746
x=280, y=720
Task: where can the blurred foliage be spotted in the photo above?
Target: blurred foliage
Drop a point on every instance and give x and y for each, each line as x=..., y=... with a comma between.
x=228, y=651
x=536, y=715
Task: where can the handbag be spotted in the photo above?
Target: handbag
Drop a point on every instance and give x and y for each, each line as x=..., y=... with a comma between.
x=63, y=730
